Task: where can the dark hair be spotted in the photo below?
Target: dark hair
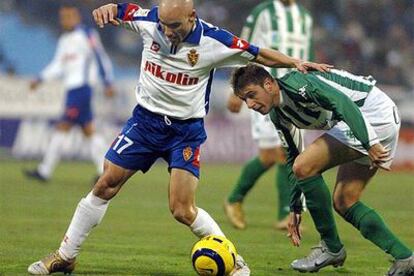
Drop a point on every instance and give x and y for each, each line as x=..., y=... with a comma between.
x=249, y=74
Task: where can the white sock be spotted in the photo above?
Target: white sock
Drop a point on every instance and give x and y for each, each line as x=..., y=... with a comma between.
x=52, y=154
x=97, y=151
x=88, y=214
x=205, y=225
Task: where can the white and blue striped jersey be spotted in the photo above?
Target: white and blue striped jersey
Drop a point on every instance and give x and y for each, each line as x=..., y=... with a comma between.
x=79, y=59
x=176, y=80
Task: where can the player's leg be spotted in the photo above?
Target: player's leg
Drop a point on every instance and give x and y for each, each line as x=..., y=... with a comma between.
x=267, y=139
x=88, y=214
x=53, y=152
x=182, y=189
x=324, y=153
x=251, y=172
x=351, y=180
x=126, y=155
x=96, y=146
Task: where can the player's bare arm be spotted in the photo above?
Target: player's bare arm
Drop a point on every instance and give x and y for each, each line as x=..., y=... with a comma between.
x=106, y=14
x=273, y=58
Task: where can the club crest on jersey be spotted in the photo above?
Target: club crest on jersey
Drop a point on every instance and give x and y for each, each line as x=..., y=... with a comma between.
x=187, y=153
x=192, y=57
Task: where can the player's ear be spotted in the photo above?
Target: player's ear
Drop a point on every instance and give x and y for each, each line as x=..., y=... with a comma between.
x=267, y=84
x=193, y=16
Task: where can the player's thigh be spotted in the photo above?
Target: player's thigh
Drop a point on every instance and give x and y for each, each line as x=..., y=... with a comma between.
x=351, y=181
x=268, y=156
x=324, y=153
x=131, y=149
x=111, y=181
x=182, y=188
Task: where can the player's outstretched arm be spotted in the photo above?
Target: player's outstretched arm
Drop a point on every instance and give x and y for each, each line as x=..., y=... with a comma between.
x=106, y=14
x=273, y=58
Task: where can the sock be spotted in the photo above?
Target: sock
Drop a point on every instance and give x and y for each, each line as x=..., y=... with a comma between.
x=250, y=174
x=373, y=228
x=88, y=214
x=52, y=154
x=97, y=151
x=319, y=204
x=204, y=225
x=282, y=186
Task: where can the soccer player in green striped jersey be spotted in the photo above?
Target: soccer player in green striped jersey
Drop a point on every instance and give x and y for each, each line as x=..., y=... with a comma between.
x=362, y=126
x=286, y=26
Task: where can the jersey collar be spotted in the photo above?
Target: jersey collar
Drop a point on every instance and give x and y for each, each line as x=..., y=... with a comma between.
x=195, y=35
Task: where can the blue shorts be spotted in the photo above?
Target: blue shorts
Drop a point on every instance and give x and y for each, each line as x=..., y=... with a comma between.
x=147, y=136
x=78, y=106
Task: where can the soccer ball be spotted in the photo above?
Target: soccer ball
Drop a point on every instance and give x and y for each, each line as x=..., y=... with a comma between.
x=213, y=255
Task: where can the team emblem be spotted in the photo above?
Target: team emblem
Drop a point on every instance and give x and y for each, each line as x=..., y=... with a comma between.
x=192, y=57
x=187, y=153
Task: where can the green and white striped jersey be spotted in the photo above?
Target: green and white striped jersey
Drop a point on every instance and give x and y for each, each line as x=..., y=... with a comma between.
x=284, y=28
x=319, y=100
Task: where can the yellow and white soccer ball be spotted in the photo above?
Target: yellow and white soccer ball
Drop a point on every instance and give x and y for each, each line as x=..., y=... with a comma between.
x=213, y=255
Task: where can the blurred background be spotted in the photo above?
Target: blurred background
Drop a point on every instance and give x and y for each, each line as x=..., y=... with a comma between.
x=367, y=37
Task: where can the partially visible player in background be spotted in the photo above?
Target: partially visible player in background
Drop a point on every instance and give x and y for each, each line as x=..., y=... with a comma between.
x=286, y=26
x=79, y=52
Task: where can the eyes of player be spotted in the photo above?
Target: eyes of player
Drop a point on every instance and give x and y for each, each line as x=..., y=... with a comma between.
x=249, y=95
x=172, y=26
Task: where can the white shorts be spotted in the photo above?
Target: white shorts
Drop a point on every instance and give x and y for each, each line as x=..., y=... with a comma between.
x=382, y=114
x=263, y=131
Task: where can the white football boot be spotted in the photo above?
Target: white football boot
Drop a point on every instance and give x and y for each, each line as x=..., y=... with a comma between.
x=319, y=257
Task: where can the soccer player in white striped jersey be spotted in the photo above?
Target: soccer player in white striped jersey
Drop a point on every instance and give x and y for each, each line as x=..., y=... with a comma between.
x=286, y=26
x=362, y=125
x=79, y=56
x=181, y=53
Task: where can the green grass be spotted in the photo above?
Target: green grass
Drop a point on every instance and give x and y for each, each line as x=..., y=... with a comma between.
x=139, y=236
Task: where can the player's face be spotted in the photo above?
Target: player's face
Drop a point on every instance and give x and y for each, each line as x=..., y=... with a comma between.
x=176, y=25
x=69, y=18
x=257, y=97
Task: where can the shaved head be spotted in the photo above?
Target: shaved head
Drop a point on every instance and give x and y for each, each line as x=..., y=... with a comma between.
x=177, y=18
x=184, y=6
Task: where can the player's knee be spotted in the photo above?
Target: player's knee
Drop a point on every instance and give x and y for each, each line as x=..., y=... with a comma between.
x=106, y=187
x=183, y=214
x=342, y=203
x=303, y=170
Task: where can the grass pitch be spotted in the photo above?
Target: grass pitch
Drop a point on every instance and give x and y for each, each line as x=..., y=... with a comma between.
x=138, y=236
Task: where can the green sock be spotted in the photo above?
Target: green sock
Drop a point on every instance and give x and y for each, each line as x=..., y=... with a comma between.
x=249, y=175
x=282, y=186
x=373, y=228
x=319, y=204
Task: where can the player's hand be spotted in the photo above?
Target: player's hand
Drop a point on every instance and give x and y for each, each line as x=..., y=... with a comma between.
x=109, y=91
x=305, y=66
x=34, y=84
x=234, y=104
x=379, y=155
x=106, y=14
x=293, y=228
